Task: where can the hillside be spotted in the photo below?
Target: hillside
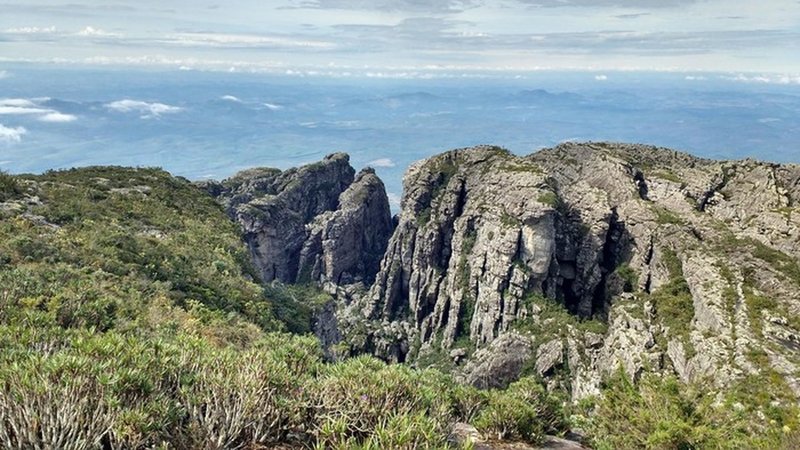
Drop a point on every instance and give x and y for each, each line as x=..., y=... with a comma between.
x=636, y=296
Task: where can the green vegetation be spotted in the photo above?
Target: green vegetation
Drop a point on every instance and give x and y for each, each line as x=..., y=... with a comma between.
x=662, y=413
x=554, y=320
x=779, y=261
x=525, y=411
x=667, y=175
x=127, y=299
x=629, y=277
x=667, y=217
x=9, y=187
x=548, y=198
x=509, y=221
x=673, y=300
x=523, y=167
x=130, y=317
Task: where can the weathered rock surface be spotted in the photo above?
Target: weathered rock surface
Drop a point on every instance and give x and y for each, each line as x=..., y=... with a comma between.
x=572, y=263
x=319, y=222
x=678, y=260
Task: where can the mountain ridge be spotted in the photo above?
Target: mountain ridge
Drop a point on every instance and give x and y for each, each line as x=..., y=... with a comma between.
x=650, y=244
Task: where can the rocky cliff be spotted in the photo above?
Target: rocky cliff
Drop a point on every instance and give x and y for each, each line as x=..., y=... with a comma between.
x=317, y=223
x=578, y=260
x=569, y=263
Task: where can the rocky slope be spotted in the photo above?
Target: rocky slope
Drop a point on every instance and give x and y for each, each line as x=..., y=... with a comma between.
x=568, y=263
x=320, y=222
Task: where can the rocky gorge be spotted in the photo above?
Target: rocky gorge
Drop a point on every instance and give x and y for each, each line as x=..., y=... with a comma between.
x=572, y=263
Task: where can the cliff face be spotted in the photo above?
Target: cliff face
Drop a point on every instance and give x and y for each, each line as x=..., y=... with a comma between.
x=588, y=257
x=568, y=263
x=316, y=223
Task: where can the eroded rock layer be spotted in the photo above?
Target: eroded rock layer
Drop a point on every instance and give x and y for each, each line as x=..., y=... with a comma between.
x=586, y=258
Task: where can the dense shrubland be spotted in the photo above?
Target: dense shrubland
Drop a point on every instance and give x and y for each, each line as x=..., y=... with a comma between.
x=130, y=318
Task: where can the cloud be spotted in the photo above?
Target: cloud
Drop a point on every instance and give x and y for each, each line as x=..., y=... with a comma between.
x=25, y=107
x=382, y=162
x=631, y=16
x=31, y=30
x=95, y=32
x=394, y=199
x=57, y=117
x=223, y=40
x=8, y=134
x=273, y=107
x=18, y=102
x=695, y=78
x=641, y=4
x=766, y=78
x=4, y=74
x=231, y=98
x=407, y=6
x=601, y=77
x=20, y=107
x=148, y=110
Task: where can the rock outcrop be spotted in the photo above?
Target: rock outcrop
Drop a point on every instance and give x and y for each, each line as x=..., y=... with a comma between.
x=317, y=223
x=579, y=260
x=573, y=263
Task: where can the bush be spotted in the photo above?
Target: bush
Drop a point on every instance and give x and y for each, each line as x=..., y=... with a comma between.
x=524, y=411
x=9, y=187
x=663, y=413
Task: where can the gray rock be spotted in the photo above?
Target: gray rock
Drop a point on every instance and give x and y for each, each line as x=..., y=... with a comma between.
x=548, y=356
x=500, y=363
x=314, y=223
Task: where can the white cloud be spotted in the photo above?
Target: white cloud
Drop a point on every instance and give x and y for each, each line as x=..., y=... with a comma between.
x=95, y=32
x=767, y=78
x=695, y=78
x=273, y=107
x=394, y=199
x=8, y=134
x=31, y=30
x=231, y=98
x=17, y=102
x=57, y=117
x=382, y=162
x=148, y=110
x=244, y=40
x=4, y=74
x=601, y=77
x=25, y=107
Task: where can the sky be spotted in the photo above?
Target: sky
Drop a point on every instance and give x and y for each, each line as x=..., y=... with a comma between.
x=352, y=37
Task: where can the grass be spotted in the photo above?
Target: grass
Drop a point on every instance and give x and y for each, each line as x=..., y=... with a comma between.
x=668, y=175
x=673, y=300
x=667, y=217
x=548, y=198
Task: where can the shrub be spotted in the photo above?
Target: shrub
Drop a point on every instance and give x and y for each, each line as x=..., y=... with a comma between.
x=51, y=403
x=663, y=413
x=524, y=411
x=9, y=187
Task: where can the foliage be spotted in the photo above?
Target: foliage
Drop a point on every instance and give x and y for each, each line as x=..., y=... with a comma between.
x=525, y=411
x=554, y=320
x=629, y=277
x=663, y=413
x=673, y=300
x=9, y=187
x=131, y=318
x=667, y=217
x=548, y=198
x=109, y=246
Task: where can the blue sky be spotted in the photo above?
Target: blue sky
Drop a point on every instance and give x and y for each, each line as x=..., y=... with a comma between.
x=410, y=37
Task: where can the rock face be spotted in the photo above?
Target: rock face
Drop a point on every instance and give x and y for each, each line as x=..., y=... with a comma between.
x=572, y=263
x=319, y=222
x=578, y=260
